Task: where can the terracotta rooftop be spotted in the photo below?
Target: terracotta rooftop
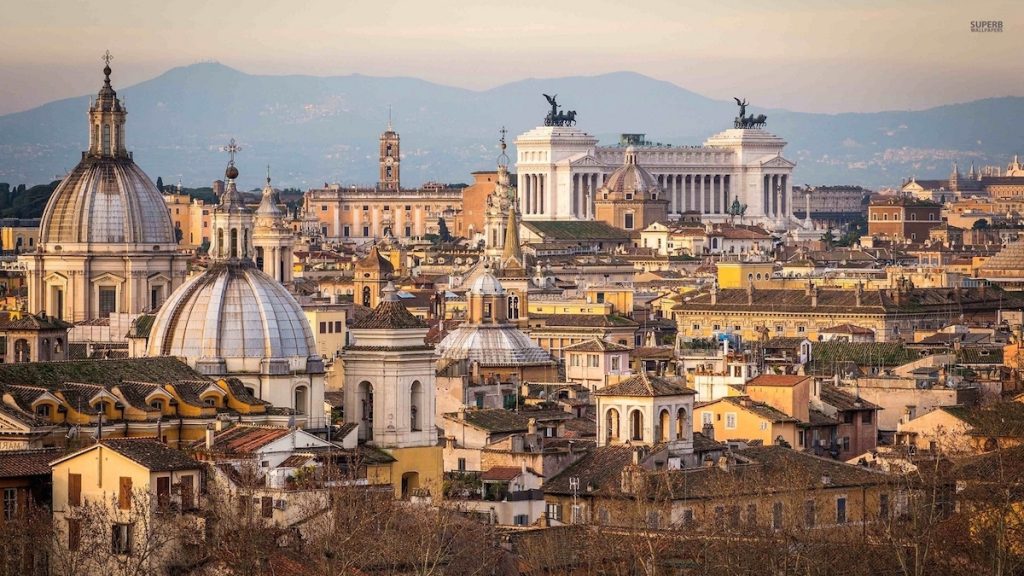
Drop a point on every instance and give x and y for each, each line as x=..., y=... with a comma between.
x=15, y=463
x=154, y=455
x=644, y=385
x=390, y=314
x=782, y=380
x=596, y=345
x=243, y=439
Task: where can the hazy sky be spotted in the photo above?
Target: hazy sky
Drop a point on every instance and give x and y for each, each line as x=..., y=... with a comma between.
x=821, y=56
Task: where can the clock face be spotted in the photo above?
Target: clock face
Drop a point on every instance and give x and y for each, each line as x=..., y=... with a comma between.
x=389, y=160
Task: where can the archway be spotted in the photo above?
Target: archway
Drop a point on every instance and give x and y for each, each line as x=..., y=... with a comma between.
x=300, y=399
x=415, y=405
x=365, y=397
x=410, y=483
x=636, y=425
x=664, y=426
x=22, y=350
x=611, y=425
x=681, y=424
x=366, y=296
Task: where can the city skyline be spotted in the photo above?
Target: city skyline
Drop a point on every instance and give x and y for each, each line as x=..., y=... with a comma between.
x=792, y=54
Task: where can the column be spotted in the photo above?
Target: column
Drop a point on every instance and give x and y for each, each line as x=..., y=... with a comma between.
x=574, y=186
x=687, y=200
x=725, y=192
x=784, y=192
x=671, y=191
x=524, y=194
x=715, y=195
x=541, y=192
x=705, y=194
x=764, y=194
x=775, y=194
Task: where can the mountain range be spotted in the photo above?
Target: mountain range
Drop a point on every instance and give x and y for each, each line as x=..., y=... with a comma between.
x=313, y=130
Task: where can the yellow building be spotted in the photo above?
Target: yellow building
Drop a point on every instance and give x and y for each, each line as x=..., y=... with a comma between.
x=130, y=481
x=569, y=307
x=19, y=235
x=740, y=418
x=743, y=274
x=329, y=325
x=620, y=298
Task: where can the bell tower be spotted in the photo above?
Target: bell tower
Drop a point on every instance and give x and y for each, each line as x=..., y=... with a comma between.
x=390, y=158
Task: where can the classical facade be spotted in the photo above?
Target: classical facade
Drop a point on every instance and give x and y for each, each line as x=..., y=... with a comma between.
x=646, y=410
x=352, y=214
x=236, y=321
x=106, y=242
x=629, y=199
x=561, y=170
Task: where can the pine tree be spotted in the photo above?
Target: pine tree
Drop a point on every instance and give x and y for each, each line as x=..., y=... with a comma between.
x=160, y=184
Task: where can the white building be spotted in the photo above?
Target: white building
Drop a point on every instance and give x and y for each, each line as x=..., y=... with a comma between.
x=560, y=169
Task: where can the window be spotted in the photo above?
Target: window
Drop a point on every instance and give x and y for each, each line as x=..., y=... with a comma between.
x=346, y=231
x=107, y=300
x=521, y=519
x=10, y=503
x=628, y=221
x=809, y=514
x=74, y=489
x=267, y=507
x=74, y=534
x=764, y=425
x=554, y=511
x=43, y=410
x=366, y=230
x=800, y=437
x=387, y=208
x=730, y=421
x=716, y=327
x=615, y=362
x=124, y=493
x=121, y=539
x=865, y=417
x=462, y=464
x=594, y=360
x=707, y=418
x=688, y=517
x=163, y=491
x=801, y=329
x=323, y=207
x=574, y=360
x=323, y=327
x=847, y=417
x=841, y=510
x=777, y=515
x=846, y=443
x=695, y=327
x=408, y=207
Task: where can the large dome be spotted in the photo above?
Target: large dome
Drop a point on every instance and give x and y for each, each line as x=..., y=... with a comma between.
x=492, y=345
x=107, y=200
x=235, y=314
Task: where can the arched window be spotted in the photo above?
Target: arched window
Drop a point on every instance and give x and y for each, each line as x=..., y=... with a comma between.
x=245, y=243
x=513, y=307
x=611, y=425
x=44, y=350
x=415, y=405
x=664, y=425
x=22, y=350
x=365, y=395
x=366, y=296
x=681, y=424
x=234, y=242
x=220, y=242
x=300, y=399
x=636, y=425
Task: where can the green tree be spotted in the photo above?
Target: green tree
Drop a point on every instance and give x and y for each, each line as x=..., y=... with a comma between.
x=160, y=183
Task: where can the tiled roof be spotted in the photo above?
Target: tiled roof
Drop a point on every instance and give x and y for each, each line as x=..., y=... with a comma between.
x=759, y=409
x=135, y=393
x=494, y=420
x=653, y=352
x=575, y=230
x=842, y=400
x=599, y=472
x=390, y=314
x=296, y=461
x=162, y=370
x=1001, y=419
x=816, y=418
x=155, y=456
x=847, y=329
x=15, y=463
x=979, y=355
x=141, y=326
x=644, y=385
x=33, y=322
x=780, y=380
x=785, y=342
x=826, y=355
x=501, y=474
x=596, y=345
x=241, y=393
x=243, y=439
x=584, y=320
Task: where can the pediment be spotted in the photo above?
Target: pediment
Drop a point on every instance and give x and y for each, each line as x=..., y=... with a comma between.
x=108, y=278
x=55, y=278
x=586, y=161
x=777, y=162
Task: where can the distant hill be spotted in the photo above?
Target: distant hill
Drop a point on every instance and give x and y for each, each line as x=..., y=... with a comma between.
x=313, y=130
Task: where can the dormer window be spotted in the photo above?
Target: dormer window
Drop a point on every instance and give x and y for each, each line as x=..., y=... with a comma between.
x=210, y=401
x=157, y=405
x=43, y=410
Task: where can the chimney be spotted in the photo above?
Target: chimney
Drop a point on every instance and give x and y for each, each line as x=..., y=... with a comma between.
x=859, y=293
x=750, y=293
x=709, y=430
x=218, y=425
x=809, y=287
x=814, y=296
x=209, y=437
x=531, y=426
x=714, y=294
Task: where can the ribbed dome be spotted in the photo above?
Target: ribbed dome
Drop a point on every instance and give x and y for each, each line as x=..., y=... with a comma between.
x=492, y=345
x=232, y=312
x=487, y=285
x=631, y=180
x=107, y=200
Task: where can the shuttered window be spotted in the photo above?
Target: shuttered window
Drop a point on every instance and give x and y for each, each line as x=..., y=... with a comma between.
x=74, y=489
x=124, y=494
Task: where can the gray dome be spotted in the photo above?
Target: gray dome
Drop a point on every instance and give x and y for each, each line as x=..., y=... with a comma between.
x=492, y=345
x=487, y=285
x=631, y=179
x=233, y=312
x=107, y=201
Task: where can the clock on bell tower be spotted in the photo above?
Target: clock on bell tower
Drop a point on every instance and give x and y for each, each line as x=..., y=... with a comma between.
x=390, y=159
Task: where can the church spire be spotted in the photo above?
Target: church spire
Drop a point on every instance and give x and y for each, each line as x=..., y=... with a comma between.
x=232, y=220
